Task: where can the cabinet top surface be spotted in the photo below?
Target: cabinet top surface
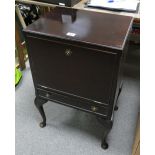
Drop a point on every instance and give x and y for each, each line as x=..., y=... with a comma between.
x=95, y=28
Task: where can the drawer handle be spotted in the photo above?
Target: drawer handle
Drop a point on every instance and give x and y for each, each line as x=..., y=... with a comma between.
x=68, y=52
x=47, y=95
x=93, y=108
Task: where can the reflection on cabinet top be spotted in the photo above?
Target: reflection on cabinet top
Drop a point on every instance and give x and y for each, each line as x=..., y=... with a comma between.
x=101, y=29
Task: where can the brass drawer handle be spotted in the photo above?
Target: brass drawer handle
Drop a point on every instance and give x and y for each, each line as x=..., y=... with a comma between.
x=47, y=95
x=93, y=108
x=68, y=52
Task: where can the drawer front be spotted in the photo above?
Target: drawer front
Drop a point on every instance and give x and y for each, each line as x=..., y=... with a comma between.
x=74, y=102
x=75, y=70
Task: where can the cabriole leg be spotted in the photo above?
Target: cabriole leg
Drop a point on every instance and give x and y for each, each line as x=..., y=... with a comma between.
x=120, y=89
x=107, y=124
x=39, y=104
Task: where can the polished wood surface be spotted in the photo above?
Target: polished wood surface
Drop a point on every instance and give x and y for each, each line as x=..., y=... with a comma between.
x=94, y=28
x=73, y=72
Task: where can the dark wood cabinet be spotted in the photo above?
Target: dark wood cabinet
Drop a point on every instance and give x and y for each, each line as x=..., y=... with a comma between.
x=76, y=59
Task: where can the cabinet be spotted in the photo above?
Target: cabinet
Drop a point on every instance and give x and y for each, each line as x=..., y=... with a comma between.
x=76, y=59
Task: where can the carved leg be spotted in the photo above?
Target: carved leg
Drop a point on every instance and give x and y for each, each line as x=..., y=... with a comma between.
x=107, y=127
x=116, y=108
x=39, y=104
x=120, y=89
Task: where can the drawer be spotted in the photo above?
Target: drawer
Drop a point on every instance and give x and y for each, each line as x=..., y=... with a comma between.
x=80, y=71
x=74, y=102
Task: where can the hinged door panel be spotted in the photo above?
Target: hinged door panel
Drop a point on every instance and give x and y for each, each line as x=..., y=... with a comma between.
x=71, y=69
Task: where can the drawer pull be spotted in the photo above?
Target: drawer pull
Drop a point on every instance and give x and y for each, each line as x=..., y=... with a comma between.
x=68, y=52
x=47, y=95
x=93, y=108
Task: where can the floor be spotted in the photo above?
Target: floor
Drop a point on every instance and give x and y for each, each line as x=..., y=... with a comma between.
x=70, y=131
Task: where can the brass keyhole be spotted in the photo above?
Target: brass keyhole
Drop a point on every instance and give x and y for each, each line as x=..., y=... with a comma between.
x=93, y=108
x=68, y=52
x=47, y=95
